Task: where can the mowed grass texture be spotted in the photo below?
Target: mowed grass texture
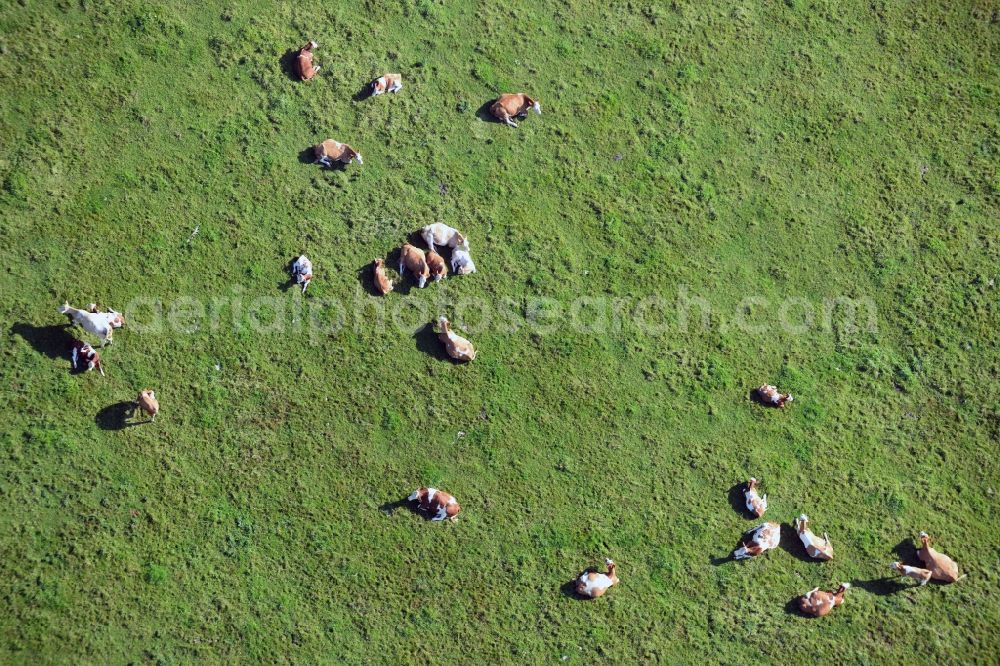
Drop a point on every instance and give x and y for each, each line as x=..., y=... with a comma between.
x=689, y=150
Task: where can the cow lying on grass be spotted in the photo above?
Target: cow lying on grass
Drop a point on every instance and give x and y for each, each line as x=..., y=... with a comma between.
x=513, y=105
x=387, y=83
x=817, y=603
x=435, y=503
x=331, y=151
x=593, y=584
x=84, y=357
x=304, y=61
x=457, y=347
x=302, y=272
x=758, y=541
x=756, y=504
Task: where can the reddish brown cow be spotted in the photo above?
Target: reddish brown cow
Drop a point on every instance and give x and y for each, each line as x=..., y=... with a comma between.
x=304, y=61
x=513, y=105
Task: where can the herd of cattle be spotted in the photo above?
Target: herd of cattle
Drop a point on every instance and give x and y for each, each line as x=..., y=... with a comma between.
x=430, y=265
x=816, y=602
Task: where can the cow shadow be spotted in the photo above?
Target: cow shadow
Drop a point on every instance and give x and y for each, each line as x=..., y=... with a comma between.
x=719, y=561
x=54, y=341
x=568, y=589
x=882, y=586
x=289, y=282
x=366, y=278
x=427, y=342
x=390, y=508
x=484, y=113
x=737, y=500
x=363, y=94
x=289, y=65
x=117, y=416
x=792, y=608
x=307, y=156
x=906, y=551
x=792, y=544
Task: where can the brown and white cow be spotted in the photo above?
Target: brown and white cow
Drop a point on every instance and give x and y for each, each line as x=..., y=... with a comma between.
x=942, y=567
x=331, y=151
x=916, y=573
x=304, y=61
x=437, y=266
x=382, y=282
x=819, y=549
x=759, y=540
x=302, y=272
x=513, y=105
x=440, y=234
x=756, y=504
x=435, y=503
x=387, y=83
x=84, y=357
x=413, y=259
x=769, y=395
x=147, y=402
x=817, y=603
x=592, y=584
x=457, y=347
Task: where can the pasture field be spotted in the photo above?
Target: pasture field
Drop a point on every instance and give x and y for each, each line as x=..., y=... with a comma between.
x=716, y=195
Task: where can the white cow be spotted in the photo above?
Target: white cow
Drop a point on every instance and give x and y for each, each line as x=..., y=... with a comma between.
x=302, y=271
x=101, y=324
x=441, y=234
x=461, y=261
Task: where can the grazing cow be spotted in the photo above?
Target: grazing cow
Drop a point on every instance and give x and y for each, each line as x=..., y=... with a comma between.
x=760, y=539
x=387, y=83
x=816, y=603
x=302, y=271
x=435, y=503
x=511, y=105
x=461, y=261
x=304, y=61
x=769, y=395
x=382, y=283
x=84, y=357
x=439, y=269
x=441, y=234
x=916, y=573
x=592, y=584
x=942, y=567
x=819, y=549
x=331, y=151
x=147, y=402
x=102, y=324
x=412, y=258
x=458, y=347
x=756, y=504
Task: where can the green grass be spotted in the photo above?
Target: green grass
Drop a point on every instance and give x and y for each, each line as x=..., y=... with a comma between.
x=801, y=149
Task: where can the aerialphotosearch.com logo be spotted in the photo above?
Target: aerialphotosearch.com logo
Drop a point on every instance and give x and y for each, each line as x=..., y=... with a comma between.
x=319, y=318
